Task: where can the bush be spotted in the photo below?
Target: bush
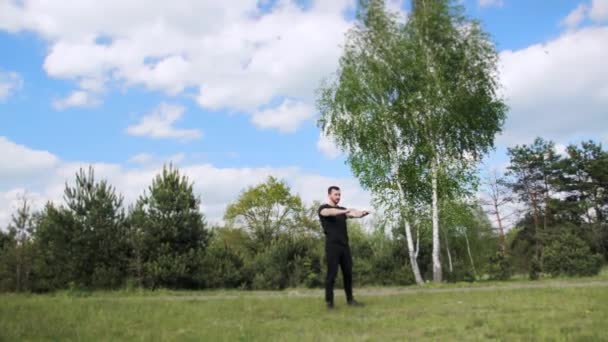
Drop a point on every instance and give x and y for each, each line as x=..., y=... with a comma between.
x=390, y=265
x=460, y=272
x=287, y=262
x=499, y=267
x=569, y=255
x=535, y=269
x=222, y=267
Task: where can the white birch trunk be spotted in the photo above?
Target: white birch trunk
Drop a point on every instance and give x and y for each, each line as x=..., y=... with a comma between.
x=447, y=248
x=437, y=276
x=413, y=253
x=470, y=255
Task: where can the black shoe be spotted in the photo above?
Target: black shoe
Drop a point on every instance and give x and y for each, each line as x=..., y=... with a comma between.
x=353, y=302
x=330, y=305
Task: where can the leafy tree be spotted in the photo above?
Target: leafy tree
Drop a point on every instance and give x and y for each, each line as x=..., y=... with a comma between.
x=84, y=242
x=17, y=250
x=569, y=255
x=413, y=102
x=58, y=242
x=583, y=178
x=170, y=233
x=265, y=210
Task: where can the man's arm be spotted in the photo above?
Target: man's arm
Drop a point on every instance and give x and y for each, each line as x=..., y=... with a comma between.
x=353, y=213
x=333, y=212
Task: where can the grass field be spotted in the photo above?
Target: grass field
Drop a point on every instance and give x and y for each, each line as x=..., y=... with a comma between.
x=562, y=310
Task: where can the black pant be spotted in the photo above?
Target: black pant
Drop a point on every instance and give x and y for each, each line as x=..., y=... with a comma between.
x=338, y=255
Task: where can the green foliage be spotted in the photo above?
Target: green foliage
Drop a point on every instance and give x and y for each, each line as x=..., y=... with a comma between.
x=499, y=267
x=535, y=269
x=86, y=241
x=288, y=262
x=17, y=251
x=169, y=233
x=460, y=272
x=223, y=267
x=583, y=175
x=273, y=241
x=265, y=210
x=569, y=255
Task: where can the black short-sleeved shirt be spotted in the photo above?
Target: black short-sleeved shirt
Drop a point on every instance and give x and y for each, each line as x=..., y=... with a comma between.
x=334, y=227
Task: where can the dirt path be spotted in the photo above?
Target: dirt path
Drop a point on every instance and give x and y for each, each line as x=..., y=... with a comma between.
x=367, y=291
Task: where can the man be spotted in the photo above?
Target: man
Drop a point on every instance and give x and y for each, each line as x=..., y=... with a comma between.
x=337, y=251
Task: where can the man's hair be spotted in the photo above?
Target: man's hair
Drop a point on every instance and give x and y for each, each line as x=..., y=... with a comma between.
x=331, y=188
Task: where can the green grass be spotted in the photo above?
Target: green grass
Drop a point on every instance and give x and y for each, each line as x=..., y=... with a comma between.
x=552, y=314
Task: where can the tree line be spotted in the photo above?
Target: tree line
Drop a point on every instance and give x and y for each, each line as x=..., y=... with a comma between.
x=271, y=239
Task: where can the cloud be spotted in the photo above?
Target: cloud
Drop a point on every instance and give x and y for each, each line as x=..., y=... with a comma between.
x=20, y=161
x=232, y=54
x=10, y=82
x=78, y=98
x=489, y=3
x=286, y=117
x=11, y=200
x=558, y=89
x=575, y=17
x=217, y=186
x=159, y=124
x=599, y=10
x=596, y=11
x=148, y=159
x=327, y=147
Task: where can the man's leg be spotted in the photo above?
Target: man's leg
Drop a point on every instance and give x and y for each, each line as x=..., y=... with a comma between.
x=346, y=264
x=332, y=256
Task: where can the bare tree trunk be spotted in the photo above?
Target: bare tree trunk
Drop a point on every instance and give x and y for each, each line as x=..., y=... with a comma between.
x=498, y=198
x=437, y=276
x=447, y=248
x=417, y=241
x=413, y=253
x=503, y=240
x=466, y=238
x=19, y=262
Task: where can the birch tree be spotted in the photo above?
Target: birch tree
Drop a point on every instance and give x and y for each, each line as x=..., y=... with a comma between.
x=411, y=99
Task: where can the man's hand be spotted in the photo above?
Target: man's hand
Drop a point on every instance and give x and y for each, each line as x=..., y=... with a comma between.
x=357, y=213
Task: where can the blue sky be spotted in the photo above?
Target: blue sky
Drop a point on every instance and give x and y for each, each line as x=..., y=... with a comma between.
x=228, y=95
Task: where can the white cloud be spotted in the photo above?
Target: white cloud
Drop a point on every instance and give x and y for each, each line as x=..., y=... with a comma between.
x=21, y=161
x=286, y=117
x=599, y=10
x=159, y=124
x=327, y=147
x=557, y=89
x=216, y=186
x=10, y=82
x=488, y=3
x=231, y=53
x=141, y=158
x=78, y=98
x=11, y=200
x=149, y=159
x=575, y=17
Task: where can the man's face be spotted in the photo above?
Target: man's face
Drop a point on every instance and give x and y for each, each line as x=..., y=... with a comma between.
x=334, y=196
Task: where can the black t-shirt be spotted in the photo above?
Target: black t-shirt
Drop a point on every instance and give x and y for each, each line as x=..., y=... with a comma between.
x=334, y=227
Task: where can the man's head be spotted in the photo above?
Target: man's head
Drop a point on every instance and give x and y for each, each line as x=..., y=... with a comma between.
x=333, y=193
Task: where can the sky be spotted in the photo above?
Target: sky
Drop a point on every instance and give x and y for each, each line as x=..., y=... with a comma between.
x=225, y=90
